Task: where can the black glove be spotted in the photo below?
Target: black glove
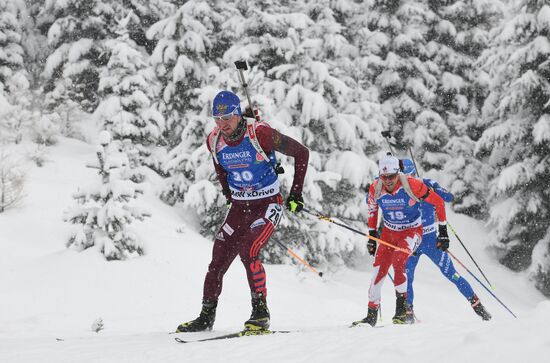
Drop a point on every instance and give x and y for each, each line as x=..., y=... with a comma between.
x=371, y=244
x=442, y=241
x=294, y=203
x=251, y=114
x=248, y=112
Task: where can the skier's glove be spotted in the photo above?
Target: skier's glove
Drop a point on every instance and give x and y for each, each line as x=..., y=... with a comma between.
x=442, y=241
x=371, y=244
x=251, y=114
x=294, y=203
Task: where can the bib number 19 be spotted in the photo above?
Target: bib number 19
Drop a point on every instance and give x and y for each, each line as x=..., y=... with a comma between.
x=397, y=215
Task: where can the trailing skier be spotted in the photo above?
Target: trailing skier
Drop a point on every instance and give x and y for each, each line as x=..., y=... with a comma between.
x=244, y=158
x=436, y=251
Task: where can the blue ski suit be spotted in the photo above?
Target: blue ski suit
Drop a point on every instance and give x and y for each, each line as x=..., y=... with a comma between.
x=428, y=248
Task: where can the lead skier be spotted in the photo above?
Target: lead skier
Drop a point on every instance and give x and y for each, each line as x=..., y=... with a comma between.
x=244, y=158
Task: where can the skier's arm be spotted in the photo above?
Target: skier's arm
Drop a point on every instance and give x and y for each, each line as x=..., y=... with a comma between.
x=272, y=140
x=222, y=176
x=442, y=192
x=427, y=195
x=372, y=208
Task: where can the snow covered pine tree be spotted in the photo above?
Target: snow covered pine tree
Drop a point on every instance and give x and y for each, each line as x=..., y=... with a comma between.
x=104, y=212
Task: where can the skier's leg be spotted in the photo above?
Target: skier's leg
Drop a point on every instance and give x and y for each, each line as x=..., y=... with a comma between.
x=265, y=220
x=381, y=265
x=410, y=268
x=408, y=239
x=252, y=242
x=445, y=264
x=224, y=251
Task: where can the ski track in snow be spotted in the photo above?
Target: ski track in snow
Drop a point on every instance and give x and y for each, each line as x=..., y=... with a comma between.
x=50, y=296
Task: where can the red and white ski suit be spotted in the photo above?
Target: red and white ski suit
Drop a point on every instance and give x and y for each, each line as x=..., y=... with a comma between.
x=402, y=228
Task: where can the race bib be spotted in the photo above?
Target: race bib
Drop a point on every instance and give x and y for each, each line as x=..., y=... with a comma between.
x=274, y=213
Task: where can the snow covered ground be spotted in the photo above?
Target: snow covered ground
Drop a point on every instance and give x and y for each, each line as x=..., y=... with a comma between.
x=50, y=296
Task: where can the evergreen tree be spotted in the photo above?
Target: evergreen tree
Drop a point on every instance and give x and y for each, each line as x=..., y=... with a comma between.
x=318, y=101
x=45, y=127
x=396, y=36
x=463, y=172
x=146, y=13
x=14, y=84
x=185, y=63
x=76, y=30
x=515, y=146
x=12, y=180
x=458, y=35
x=180, y=62
x=11, y=57
x=127, y=86
x=104, y=210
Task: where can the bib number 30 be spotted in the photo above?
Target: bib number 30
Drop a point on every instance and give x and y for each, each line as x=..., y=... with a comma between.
x=274, y=213
x=243, y=176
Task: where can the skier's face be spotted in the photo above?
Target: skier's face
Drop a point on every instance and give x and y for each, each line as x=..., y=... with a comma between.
x=389, y=181
x=228, y=125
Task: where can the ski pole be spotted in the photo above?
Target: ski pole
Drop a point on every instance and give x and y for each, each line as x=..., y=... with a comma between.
x=471, y=257
x=241, y=67
x=328, y=219
x=301, y=260
x=414, y=161
x=481, y=283
x=456, y=235
x=386, y=134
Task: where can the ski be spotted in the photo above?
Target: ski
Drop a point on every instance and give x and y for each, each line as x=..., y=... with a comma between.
x=359, y=323
x=242, y=333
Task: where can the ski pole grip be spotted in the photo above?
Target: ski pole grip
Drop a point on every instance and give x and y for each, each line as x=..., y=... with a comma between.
x=241, y=65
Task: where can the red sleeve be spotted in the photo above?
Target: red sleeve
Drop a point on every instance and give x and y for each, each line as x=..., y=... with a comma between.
x=272, y=140
x=372, y=206
x=220, y=173
x=423, y=192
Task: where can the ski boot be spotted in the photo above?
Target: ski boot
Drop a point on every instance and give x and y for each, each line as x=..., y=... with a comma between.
x=204, y=322
x=409, y=315
x=259, y=319
x=479, y=308
x=400, y=316
x=371, y=318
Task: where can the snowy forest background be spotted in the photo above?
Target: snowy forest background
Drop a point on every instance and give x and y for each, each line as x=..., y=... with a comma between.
x=464, y=85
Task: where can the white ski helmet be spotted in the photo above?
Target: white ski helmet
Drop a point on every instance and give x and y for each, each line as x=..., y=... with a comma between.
x=389, y=164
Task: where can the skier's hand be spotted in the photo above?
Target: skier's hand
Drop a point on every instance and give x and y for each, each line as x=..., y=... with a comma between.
x=252, y=114
x=442, y=241
x=294, y=203
x=371, y=244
